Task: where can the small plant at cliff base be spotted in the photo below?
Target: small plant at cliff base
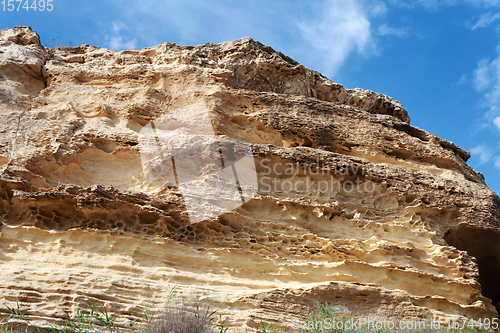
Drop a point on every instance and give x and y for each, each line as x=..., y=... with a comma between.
x=176, y=317
x=97, y=320
x=265, y=328
x=16, y=314
x=271, y=328
x=179, y=318
x=222, y=329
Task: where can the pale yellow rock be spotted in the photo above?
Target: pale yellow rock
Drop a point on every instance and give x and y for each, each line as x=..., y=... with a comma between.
x=81, y=223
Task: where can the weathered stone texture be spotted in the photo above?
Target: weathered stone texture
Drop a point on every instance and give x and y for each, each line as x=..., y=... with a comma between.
x=418, y=238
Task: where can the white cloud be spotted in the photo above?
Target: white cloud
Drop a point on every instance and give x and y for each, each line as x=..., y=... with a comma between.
x=340, y=28
x=494, y=3
x=463, y=80
x=482, y=75
x=194, y=21
x=435, y=4
x=386, y=30
x=483, y=152
x=116, y=41
x=496, y=121
x=378, y=8
x=485, y=20
x=487, y=79
x=320, y=34
x=429, y=3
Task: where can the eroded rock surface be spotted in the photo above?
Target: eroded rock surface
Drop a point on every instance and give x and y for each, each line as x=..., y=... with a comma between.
x=355, y=207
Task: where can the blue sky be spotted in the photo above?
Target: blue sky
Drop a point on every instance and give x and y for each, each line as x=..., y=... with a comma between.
x=440, y=58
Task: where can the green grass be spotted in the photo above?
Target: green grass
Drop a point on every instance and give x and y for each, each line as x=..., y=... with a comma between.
x=97, y=319
x=177, y=316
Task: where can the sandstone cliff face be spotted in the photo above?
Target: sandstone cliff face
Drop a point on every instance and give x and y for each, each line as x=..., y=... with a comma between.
x=354, y=206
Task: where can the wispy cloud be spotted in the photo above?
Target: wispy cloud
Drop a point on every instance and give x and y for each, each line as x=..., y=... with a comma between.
x=496, y=121
x=482, y=75
x=340, y=28
x=462, y=81
x=386, y=30
x=189, y=22
x=321, y=34
x=424, y=3
x=378, y=8
x=116, y=41
x=485, y=20
x=487, y=80
x=436, y=4
x=482, y=152
x=494, y=3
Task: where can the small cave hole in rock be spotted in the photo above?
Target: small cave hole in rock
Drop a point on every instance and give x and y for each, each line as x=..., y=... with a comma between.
x=484, y=245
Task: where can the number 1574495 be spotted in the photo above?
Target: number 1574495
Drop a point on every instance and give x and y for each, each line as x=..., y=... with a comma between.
x=34, y=5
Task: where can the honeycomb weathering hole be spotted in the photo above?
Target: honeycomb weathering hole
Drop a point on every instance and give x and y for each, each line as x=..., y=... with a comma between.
x=484, y=245
x=119, y=169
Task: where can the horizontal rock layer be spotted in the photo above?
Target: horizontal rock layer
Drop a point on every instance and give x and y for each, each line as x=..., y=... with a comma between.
x=354, y=206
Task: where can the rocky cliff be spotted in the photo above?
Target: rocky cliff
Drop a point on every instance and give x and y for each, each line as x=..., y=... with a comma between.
x=339, y=198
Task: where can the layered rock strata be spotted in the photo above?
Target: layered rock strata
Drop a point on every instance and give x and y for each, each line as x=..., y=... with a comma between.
x=353, y=206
